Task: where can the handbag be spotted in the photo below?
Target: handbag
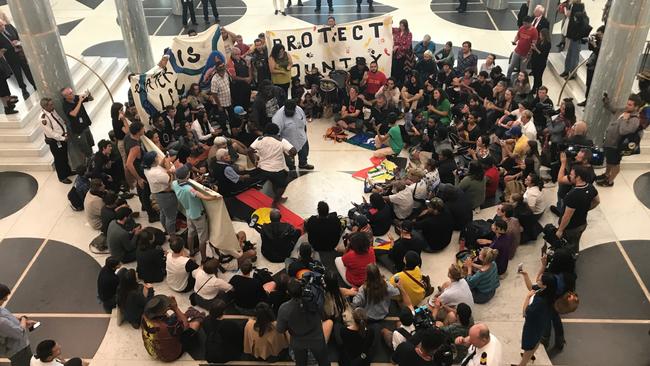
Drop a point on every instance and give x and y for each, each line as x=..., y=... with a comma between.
x=425, y=284
x=194, y=294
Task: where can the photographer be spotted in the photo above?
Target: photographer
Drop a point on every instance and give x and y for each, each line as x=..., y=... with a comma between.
x=564, y=180
x=594, y=43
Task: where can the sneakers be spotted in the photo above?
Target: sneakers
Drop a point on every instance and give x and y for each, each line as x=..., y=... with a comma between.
x=306, y=167
x=600, y=177
x=605, y=183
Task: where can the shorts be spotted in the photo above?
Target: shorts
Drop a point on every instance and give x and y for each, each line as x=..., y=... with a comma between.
x=278, y=179
x=612, y=156
x=200, y=227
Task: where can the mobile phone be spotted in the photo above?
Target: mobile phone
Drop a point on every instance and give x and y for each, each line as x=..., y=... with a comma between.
x=36, y=325
x=520, y=268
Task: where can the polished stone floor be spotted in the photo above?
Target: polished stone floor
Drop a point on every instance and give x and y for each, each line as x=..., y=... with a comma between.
x=44, y=244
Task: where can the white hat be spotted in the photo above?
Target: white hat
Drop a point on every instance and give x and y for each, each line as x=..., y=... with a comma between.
x=220, y=140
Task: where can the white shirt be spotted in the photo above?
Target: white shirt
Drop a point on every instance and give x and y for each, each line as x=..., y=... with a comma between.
x=534, y=198
x=490, y=354
x=53, y=125
x=271, y=152
x=529, y=130
x=213, y=285
x=177, y=276
x=398, y=338
x=457, y=292
x=403, y=202
x=36, y=362
x=158, y=179
x=196, y=126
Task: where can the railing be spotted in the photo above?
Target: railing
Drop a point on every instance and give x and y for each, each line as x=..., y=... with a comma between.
x=571, y=74
x=108, y=90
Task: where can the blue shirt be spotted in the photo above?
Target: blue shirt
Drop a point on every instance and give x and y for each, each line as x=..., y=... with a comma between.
x=187, y=197
x=293, y=129
x=14, y=337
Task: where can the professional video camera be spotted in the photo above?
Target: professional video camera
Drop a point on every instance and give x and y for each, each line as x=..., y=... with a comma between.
x=571, y=150
x=423, y=319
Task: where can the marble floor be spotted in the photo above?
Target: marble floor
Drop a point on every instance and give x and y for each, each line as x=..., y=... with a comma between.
x=44, y=236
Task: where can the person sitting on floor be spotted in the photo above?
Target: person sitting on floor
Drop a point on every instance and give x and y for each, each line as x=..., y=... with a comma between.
x=502, y=242
x=435, y=225
x=93, y=203
x=456, y=290
x=410, y=278
x=111, y=204
x=107, y=283
x=179, y=266
x=48, y=353
x=375, y=294
x=323, y=230
x=305, y=261
x=261, y=339
x=278, y=238
x=408, y=241
x=150, y=259
x=483, y=278
x=229, y=180
x=380, y=215
x=392, y=138
x=121, y=241
x=208, y=287
x=359, y=254
x=132, y=297
x=404, y=331
x=248, y=290
x=223, y=337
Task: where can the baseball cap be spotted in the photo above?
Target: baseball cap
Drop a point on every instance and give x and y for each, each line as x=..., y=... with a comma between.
x=515, y=131
x=239, y=110
x=183, y=172
x=149, y=158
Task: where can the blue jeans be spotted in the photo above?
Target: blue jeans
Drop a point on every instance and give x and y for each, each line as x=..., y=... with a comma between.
x=572, y=55
x=516, y=63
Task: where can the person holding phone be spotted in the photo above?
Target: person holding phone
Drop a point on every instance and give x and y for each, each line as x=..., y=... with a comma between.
x=14, y=333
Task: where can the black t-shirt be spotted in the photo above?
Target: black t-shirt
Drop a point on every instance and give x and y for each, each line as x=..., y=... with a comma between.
x=563, y=189
x=151, y=264
x=579, y=198
x=231, y=343
x=107, y=284
x=355, y=349
x=352, y=107
x=405, y=355
x=117, y=129
x=248, y=291
x=411, y=88
x=403, y=245
x=381, y=221
x=323, y=233
x=484, y=90
x=82, y=121
x=356, y=75
x=436, y=229
x=129, y=143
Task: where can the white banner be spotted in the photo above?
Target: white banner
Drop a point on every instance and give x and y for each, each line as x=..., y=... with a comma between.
x=190, y=60
x=337, y=48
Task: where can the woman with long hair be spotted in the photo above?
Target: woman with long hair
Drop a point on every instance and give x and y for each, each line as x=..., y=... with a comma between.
x=203, y=129
x=358, y=255
x=402, y=43
x=131, y=297
x=150, y=258
x=539, y=58
x=537, y=312
x=521, y=87
x=482, y=276
x=280, y=64
x=473, y=184
x=355, y=341
x=375, y=294
x=336, y=302
x=261, y=339
x=440, y=107
x=120, y=127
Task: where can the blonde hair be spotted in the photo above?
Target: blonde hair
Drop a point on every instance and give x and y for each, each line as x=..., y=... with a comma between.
x=428, y=53
x=4, y=17
x=489, y=255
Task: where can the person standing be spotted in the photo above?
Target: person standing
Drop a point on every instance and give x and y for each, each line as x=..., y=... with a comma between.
x=56, y=136
x=260, y=62
x=159, y=177
x=582, y=198
x=188, y=6
x=626, y=124
x=539, y=20
x=370, y=7
x=242, y=77
x=577, y=23
x=462, y=6
x=279, y=7
x=15, y=55
x=280, y=64
x=292, y=122
x=402, y=44
x=134, y=155
x=221, y=93
x=304, y=327
x=268, y=152
x=215, y=12
x=80, y=138
x=525, y=38
x=595, y=41
x=14, y=333
x=538, y=58
x=190, y=199
x=329, y=3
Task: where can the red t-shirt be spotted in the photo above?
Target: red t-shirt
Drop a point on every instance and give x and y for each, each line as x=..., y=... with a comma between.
x=374, y=82
x=355, y=265
x=492, y=175
x=527, y=36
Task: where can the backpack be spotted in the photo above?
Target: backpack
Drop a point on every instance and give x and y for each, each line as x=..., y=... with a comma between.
x=336, y=133
x=77, y=193
x=313, y=292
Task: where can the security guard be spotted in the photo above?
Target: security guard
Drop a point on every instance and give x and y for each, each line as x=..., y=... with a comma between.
x=56, y=134
x=484, y=348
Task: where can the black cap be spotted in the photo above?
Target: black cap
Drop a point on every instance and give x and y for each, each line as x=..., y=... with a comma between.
x=361, y=60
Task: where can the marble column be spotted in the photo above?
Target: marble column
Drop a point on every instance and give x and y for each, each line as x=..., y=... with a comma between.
x=618, y=62
x=44, y=51
x=177, y=8
x=496, y=4
x=130, y=14
x=551, y=13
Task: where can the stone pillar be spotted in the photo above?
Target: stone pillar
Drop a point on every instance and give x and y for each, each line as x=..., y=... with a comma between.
x=41, y=42
x=618, y=62
x=496, y=4
x=130, y=14
x=551, y=13
x=177, y=8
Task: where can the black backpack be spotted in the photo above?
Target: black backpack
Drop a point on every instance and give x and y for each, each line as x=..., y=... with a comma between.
x=313, y=292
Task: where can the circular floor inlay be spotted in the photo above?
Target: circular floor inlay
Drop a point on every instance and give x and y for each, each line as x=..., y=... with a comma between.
x=642, y=189
x=17, y=190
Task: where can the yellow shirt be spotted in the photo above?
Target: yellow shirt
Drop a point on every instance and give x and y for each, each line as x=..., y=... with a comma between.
x=414, y=291
x=521, y=146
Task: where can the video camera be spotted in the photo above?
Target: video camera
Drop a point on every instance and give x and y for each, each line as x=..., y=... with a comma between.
x=422, y=318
